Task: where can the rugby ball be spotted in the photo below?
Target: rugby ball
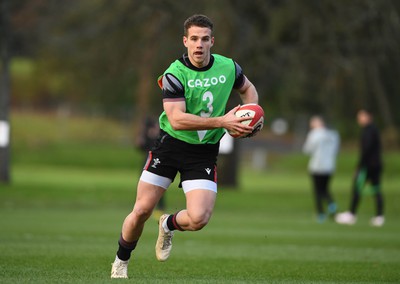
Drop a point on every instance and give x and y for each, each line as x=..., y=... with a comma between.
x=256, y=119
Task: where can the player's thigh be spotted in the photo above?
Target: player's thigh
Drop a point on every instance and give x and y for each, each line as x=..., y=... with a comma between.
x=147, y=196
x=200, y=203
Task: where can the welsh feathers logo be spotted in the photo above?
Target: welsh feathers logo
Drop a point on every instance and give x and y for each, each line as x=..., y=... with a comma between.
x=156, y=161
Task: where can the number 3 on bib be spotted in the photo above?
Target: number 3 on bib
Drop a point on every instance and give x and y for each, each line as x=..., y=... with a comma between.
x=207, y=97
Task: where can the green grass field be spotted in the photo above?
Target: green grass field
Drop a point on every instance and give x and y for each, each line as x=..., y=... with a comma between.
x=60, y=221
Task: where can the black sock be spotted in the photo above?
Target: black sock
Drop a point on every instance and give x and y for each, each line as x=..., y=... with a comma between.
x=172, y=224
x=125, y=249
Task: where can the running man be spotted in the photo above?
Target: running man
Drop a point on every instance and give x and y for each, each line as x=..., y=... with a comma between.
x=195, y=89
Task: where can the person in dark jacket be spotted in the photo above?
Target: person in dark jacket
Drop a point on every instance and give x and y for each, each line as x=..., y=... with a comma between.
x=369, y=169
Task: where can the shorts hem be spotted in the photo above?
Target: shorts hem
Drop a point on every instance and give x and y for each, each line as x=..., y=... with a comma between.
x=154, y=179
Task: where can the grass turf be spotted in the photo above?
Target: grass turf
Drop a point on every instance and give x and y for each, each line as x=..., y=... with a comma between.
x=60, y=224
x=74, y=183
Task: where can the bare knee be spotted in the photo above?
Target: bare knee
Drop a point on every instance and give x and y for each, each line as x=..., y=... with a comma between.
x=141, y=213
x=199, y=222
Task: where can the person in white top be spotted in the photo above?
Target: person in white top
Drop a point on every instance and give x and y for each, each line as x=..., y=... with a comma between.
x=322, y=144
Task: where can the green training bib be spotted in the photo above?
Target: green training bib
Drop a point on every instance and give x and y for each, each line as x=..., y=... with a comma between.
x=206, y=95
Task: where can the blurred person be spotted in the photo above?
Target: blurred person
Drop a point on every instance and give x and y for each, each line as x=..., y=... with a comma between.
x=148, y=134
x=146, y=139
x=195, y=89
x=322, y=144
x=369, y=169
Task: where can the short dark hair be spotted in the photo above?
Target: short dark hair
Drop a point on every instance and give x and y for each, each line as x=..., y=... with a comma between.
x=197, y=20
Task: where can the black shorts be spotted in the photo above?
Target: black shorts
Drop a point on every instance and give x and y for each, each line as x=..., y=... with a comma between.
x=169, y=156
x=373, y=175
x=365, y=175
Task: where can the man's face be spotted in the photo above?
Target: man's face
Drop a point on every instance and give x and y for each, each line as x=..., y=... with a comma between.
x=198, y=43
x=363, y=118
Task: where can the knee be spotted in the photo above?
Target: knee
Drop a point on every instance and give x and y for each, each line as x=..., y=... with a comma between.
x=141, y=213
x=199, y=222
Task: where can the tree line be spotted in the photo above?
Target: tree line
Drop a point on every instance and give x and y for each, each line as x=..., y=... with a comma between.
x=305, y=57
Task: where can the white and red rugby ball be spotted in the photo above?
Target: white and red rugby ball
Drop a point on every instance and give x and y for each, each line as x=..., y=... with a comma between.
x=256, y=119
